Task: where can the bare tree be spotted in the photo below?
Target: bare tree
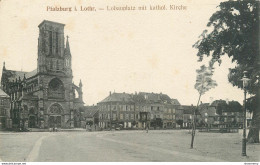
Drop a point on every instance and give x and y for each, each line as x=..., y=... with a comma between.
x=203, y=84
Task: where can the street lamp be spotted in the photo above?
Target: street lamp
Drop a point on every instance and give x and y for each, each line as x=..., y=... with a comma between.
x=245, y=85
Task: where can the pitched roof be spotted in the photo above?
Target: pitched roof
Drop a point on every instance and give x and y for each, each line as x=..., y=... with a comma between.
x=90, y=111
x=175, y=102
x=3, y=94
x=188, y=109
x=118, y=97
x=12, y=75
x=154, y=97
x=141, y=97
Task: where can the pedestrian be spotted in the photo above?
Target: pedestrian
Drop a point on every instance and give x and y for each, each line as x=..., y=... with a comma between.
x=147, y=129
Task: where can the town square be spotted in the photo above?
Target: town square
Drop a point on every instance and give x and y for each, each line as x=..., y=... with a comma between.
x=138, y=85
x=123, y=146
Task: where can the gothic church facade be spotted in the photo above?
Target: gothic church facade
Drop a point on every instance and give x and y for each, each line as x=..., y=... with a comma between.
x=45, y=97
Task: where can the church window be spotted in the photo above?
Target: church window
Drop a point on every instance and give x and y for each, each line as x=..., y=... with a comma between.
x=56, y=109
x=51, y=64
x=58, y=67
x=56, y=89
x=50, y=41
x=57, y=42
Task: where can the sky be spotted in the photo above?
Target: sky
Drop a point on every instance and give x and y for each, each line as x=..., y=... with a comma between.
x=119, y=51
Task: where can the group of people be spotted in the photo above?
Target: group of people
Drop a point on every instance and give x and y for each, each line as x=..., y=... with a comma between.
x=53, y=129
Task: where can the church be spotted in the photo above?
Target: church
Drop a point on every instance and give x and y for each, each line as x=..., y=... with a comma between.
x=45, y=97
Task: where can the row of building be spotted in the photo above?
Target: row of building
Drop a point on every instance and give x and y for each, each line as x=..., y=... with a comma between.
x=137, y=111
x=158, y=111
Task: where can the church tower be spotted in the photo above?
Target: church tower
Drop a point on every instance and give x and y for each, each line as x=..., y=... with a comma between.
x=56, y=98
x=53, y=57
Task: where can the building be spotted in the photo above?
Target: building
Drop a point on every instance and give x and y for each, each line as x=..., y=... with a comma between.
x=117, y=108
x=179, y=117
x=208, y=115
x=5, y=121
x=138, y=110
x=91, y=117
x=230, y=113
x=46, y=96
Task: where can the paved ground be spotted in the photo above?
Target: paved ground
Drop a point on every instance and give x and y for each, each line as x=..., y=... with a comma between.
x=157, y=145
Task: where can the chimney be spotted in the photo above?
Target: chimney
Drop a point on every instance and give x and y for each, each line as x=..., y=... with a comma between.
x=109, y=93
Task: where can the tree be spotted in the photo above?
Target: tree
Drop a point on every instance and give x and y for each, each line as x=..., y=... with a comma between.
x=220, y=105
x=236, y=34
x=203, y=84
x=234, y=106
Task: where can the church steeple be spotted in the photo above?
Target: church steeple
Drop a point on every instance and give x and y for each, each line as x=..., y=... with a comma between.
x=4, y=66
x=67, y=49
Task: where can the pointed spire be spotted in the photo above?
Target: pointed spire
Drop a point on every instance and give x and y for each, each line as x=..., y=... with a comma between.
x=67, y=46
x=4, y=66
x=80, y=84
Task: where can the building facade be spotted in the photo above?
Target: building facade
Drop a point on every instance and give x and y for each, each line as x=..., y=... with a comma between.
x=45, y=97
x=137, y=111
x=5, y=121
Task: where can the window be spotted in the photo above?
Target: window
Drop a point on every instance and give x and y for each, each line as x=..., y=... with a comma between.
x=57, y=42
x=56, y=89
x=121, y=116
x=50, y=42
x=51, y=64
x=113, y=107
x=114, y=116
x=58, y=65
x=126, y=116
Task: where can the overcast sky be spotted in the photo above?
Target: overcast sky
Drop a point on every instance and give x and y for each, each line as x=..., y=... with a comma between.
x=121, y=51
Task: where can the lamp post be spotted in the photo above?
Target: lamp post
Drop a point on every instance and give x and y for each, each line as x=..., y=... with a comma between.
x=245, y=84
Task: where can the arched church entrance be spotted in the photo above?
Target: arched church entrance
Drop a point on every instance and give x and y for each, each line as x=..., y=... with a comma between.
x=32, y=118
x=55, y=117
